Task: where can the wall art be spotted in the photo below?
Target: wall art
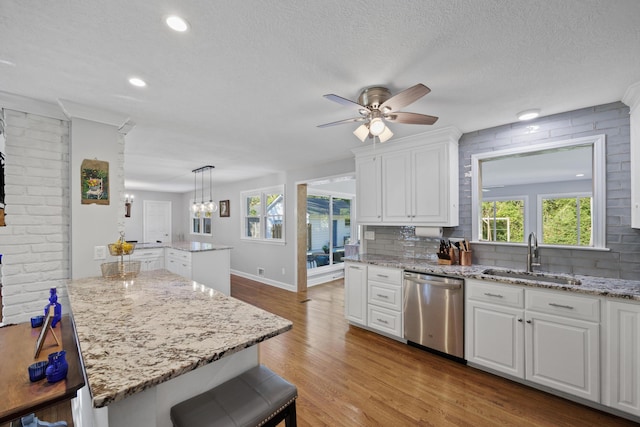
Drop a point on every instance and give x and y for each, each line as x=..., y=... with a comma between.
x=94, y=182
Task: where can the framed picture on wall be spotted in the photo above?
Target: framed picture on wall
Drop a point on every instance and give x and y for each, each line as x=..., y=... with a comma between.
x=94, y=182
x=224, y=208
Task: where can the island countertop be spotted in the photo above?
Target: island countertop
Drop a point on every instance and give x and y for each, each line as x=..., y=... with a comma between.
x=136, y=334
x=188, y=246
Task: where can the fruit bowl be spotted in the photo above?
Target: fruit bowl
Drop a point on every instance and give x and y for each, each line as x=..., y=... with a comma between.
x=121, y=248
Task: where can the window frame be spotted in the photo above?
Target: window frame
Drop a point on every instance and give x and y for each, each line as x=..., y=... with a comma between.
x=525, y=217
x=540, y=219
x=263, y=215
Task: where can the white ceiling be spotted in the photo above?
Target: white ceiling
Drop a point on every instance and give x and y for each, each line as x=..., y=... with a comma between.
x=242, y=90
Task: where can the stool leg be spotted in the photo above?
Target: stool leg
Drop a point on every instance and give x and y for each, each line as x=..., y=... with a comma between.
x=290, y=420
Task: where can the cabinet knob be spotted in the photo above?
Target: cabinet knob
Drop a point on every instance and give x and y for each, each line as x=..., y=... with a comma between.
x=520, y=320
x=529, y=321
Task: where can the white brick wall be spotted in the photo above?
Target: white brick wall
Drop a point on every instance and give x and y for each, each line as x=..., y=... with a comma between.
x=35, y=242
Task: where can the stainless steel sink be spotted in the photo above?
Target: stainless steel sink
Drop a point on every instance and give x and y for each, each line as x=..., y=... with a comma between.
x=536, y=276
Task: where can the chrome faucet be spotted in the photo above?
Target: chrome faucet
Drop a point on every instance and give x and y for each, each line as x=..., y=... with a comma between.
x=533, y=254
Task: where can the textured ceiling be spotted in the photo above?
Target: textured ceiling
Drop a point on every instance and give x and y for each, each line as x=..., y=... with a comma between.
x=242, y=90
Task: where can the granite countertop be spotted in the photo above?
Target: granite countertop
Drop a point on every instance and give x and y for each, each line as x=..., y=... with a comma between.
x=601, y=286
x=188, y=246
x=138, y=333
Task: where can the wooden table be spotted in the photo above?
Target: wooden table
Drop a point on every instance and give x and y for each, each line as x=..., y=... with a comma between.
x=17, y=346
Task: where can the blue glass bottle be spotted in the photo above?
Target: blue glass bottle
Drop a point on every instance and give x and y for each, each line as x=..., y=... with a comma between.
x=57, y=308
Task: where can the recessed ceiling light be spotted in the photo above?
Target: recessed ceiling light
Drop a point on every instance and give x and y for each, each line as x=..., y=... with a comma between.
x=579, y=174
x=5, y=62
x=138, y=82
x=177, y=24
x=528, y=114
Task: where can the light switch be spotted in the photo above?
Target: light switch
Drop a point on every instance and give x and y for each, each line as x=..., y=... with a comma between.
x=99, y=252
x=370, y=235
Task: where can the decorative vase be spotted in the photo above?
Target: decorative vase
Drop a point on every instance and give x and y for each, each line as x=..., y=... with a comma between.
x=57, y=308
x=58, y=367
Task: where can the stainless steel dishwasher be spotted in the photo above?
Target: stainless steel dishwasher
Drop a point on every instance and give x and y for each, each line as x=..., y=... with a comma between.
x=434, y=313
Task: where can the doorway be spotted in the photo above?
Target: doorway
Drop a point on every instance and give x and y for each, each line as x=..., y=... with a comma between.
x=325, y=227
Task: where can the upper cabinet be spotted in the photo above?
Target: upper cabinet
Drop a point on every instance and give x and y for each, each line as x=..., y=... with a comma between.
x=632, y=99
x=412, y=181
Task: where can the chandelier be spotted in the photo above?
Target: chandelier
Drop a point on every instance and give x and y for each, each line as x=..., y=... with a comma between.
x=202, y=206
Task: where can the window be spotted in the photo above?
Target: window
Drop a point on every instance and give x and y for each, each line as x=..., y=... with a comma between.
x=263, y=214
x=503, y=220
x=200, y=222
x=566, y=219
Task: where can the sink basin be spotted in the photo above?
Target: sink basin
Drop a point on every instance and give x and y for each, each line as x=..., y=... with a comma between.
x=536, y=276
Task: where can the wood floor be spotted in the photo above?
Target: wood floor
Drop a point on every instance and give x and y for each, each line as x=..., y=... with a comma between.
x=347, y=376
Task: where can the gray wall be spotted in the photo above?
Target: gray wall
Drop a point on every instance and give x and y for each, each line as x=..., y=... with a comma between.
x=623, y=258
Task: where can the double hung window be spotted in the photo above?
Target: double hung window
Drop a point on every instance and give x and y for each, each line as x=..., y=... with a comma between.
x=263, y=214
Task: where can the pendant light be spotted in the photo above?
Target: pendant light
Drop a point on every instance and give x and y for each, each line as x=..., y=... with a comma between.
x=202, y=206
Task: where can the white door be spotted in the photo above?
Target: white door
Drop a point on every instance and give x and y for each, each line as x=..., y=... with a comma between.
x=157, y=221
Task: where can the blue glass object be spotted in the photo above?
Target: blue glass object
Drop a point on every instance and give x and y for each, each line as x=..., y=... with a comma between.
x=58, y=367
x=37, y=321
x=57, y=308
x=37, y=371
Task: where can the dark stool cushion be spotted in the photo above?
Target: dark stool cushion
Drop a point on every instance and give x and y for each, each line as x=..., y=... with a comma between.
x=250, y=399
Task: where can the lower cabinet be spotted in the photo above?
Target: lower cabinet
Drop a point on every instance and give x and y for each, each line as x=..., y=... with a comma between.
x=546, y=337
x=384, y=300
x=150, y=259
x=178, y=262
x=623, y=355
x=355, y=292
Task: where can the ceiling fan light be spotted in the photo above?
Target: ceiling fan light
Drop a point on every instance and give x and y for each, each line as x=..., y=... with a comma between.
x=362, y=132
x=385, y=135
x=528, y=114
x=376, y=126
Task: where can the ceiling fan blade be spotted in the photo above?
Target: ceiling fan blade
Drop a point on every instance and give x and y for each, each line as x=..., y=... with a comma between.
x=404, y=98
x=346, y=102
x=411, y=118
x=355, y=119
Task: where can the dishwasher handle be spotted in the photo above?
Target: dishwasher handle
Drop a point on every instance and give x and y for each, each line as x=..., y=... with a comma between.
x=440, y=284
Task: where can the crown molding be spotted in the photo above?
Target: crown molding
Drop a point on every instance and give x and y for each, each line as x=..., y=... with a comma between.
x=74, y=110
x=632, y=96
x=12, y=101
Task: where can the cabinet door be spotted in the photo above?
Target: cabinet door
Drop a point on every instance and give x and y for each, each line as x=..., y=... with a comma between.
x=563, y=354
x=495, y=337
x=396, y=187
x=431, y=181
x=355, y=293
x=368, y=183
x=623, y=349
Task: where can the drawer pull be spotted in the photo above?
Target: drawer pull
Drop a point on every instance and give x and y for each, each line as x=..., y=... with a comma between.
x=355, y=267
x=383, y=321
x=553, y=304
x=382, y=275
x=382, y=296
x=493, y=295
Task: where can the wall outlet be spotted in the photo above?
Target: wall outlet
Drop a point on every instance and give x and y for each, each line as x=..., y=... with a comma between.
x=370, y=235
x=99, y=252
x=260, y=271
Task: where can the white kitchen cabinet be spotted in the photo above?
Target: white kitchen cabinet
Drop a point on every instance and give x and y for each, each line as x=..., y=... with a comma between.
x=150, y=259
x=632, y=99
x=355, y=292
x=623, y=355
x=208, y=267
x=410, y=181
x=494, y=328
x=178, y=262
x=557, y=345
x=384, y=300
x=368, y=190
x=415, y=186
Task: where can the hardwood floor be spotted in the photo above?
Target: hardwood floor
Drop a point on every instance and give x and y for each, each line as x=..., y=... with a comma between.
x=347, y=376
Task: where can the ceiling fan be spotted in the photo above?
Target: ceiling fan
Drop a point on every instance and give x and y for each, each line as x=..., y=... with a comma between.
x=376, y=106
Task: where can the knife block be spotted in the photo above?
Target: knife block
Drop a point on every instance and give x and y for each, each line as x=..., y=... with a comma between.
x=451, y=260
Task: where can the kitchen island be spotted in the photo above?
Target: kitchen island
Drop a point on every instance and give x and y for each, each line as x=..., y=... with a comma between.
x=156, y=340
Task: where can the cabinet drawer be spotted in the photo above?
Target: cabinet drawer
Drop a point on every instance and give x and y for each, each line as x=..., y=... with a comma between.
x=506, y=295
x=385, y=275
x=385, y=295
x=572, y=306
x=182, y=255
x=385, y=320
